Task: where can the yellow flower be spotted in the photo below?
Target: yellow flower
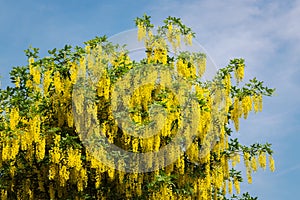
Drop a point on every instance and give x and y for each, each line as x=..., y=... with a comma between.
x=246, y=105
x=239, y=72
x=82, y=179
x=47, y=81
x=236, y=113
x=14, y=150
x=236, y=159
x=52, y=191
x=36, y=76
x=57, y=82
x=28, y=83
x=98, y=181
x=88, y=49
x=262, y=160
x=178, y=38
x=34, y=71
x=63, y=175
x=200, y=64
x=236, y=185
x=74, y=158
x=52, y=172
x=31, y=60
x=188, y=39
x=141, y=31
x=55, y=152
x=227, y=83
x=271, y=163
x=170, y=27
x=254, y=163
x=230, y=187
x=18, y=82
x=12, y=169
x=257, y=102
x=14, y=118
x=135, y=145
x=249, y=177
x=111, y=173
x=73, y=72
x=40, y=148
x=3, y=194
x=182, y=68
x=35, y=124
x=193, y=152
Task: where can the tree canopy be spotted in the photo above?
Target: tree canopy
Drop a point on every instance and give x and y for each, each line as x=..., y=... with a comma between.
x=91, y=123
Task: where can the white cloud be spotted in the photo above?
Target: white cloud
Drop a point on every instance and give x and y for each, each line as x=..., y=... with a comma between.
x=288, y=26
x=238, y=28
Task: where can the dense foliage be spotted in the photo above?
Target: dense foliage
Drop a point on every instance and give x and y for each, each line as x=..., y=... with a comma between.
x=42, y=155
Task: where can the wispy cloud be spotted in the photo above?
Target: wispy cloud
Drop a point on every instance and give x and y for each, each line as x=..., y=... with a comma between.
x=289, y=170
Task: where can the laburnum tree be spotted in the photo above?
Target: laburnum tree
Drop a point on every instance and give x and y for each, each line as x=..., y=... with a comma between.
x=42, y=155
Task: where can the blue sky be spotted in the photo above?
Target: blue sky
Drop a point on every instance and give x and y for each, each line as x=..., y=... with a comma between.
x=265, y=33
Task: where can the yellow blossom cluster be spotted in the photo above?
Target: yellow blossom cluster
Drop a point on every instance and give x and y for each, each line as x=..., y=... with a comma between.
x=252, y=163
x=174, y=36
x=239, y=72
x=34, y=71
x=242, y=107
x=141, y=31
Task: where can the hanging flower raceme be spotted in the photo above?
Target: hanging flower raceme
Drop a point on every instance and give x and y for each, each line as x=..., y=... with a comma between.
x=189, y=39
x=57, y=82
x=257, y=102
x=239, y=72
x=236, y=113
x=55, y=152
x=47, y=81
x=34, y=71
x=14, y=118
x=141, y=31
x=271, y=163
x=246, y=105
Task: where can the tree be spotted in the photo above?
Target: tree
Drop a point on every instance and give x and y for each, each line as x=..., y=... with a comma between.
x=64, y=122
